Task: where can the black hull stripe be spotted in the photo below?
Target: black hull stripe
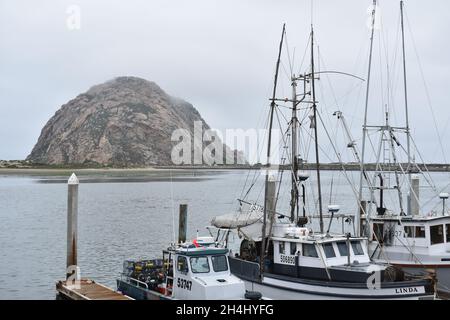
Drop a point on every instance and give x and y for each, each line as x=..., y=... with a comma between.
x=339, y=295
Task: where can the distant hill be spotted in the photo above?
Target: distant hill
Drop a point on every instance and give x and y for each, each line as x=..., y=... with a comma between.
x=125, y=122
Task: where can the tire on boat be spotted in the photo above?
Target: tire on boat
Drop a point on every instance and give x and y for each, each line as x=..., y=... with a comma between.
x=253, y=295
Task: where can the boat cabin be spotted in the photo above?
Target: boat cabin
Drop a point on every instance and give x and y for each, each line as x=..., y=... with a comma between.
x=196, y=270
x=201, y=271
x=418, y=231
x=323, y=257
x=423, y=237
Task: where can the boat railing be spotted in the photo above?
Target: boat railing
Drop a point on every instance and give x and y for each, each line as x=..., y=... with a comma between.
x=134, y=281
x=246, y=269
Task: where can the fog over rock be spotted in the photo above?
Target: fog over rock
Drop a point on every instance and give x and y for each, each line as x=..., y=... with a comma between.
x=125, y=122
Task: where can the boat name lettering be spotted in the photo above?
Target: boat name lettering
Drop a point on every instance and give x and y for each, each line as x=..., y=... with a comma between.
x=406, y=290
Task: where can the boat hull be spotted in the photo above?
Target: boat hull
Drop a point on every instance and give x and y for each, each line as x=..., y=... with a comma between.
x=276, y=289
x=280, y=287
x=139, y=293
x=442, y=274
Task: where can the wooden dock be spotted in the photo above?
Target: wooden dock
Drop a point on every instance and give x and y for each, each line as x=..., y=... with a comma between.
x=88, y=290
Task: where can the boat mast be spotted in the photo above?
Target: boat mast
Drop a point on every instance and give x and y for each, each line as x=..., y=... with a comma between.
x=406, y=104
x=269, y=144
x=294, y=175
x=313, y=87
x=358, y=216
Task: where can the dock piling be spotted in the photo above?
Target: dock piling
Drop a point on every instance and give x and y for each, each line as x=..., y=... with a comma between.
x=72, y=227
x=75, y=288
x=182, y=224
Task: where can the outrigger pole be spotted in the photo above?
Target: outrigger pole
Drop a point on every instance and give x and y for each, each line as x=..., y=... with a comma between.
x=313, y=87
x=358, y=214
x=269, y=145
x=406, y=106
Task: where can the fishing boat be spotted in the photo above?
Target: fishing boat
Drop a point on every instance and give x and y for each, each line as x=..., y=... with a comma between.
x=279, y=253
x=197, y=270
x=411, y=238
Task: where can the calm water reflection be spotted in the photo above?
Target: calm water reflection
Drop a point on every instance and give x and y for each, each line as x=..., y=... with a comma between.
x=120, y=217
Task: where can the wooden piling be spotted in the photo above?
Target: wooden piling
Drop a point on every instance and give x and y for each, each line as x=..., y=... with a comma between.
x=75, y=288
x=182, y=224
x=72, y=224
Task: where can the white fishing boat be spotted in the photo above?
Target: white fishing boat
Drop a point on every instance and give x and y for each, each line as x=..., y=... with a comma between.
x=197, y=270
x=411, y=237
x=279, y=254
x=416, y=243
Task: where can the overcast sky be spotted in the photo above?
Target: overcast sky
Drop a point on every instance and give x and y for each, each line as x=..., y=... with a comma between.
x=218, y=55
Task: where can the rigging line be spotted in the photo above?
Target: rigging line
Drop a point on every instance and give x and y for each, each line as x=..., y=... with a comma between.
x=284, y=118
x=324, y=104
x=431, y=182
x=304, y=55
x=323, y=151
x=258, y=152
x=347, y=93
x=279, y=123
x=328, y=79
x=286, y=73
x=427, y=92
x=256, y=174
x=397, y=179
x=290, y=108
x=396, y=74
x=334, y=128
x=408, y=247
x=444, y=130
x=358, y=59
x=283, y=159
x=287, y=52
x=173, y=208
x=355, y=192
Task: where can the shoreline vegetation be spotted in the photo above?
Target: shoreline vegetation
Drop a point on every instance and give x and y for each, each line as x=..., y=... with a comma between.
x=23, y=166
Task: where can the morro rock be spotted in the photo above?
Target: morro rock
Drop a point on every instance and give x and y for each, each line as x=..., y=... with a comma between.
x=125, y=122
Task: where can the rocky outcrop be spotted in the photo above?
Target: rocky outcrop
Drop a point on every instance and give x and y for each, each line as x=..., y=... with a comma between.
x=126, y=122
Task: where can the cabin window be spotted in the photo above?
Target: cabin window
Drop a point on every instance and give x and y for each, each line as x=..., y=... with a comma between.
x=448, y=232
x=343, y=248
x=420, y=232
x=437, y=234
x=409, y=231
x=293, y=249
x=182, y=265
x=309, y=250
x=199, y=265
x=281, y=247
x=329, y=250
x=357, y=248
x=219, y=263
